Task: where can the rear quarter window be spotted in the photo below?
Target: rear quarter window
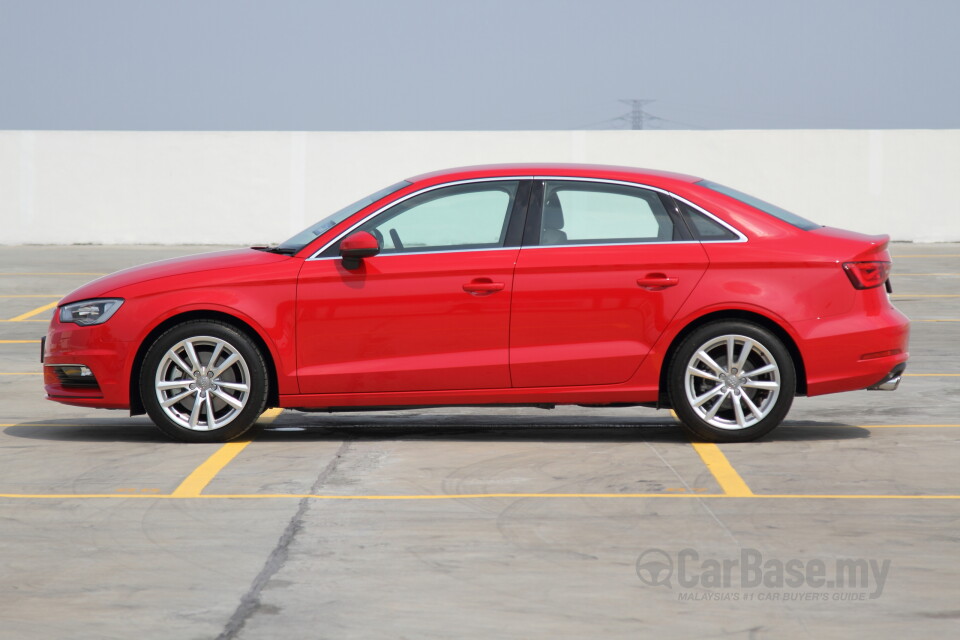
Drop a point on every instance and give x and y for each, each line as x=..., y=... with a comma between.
x=704, y=227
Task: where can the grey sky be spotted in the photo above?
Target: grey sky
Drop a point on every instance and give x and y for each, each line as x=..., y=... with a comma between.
x=477, y=64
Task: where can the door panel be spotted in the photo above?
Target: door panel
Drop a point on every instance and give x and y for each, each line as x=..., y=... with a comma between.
x=581, y=318
x=405, y=322
x=612, y=269
x=431, y=312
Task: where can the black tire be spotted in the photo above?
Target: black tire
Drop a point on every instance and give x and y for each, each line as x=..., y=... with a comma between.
x=207, y=396
x=734, y=406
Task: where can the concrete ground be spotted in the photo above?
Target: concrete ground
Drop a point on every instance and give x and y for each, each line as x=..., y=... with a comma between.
x=468, y=523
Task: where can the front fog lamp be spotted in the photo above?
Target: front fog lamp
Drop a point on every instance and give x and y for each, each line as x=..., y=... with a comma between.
x=89, y=312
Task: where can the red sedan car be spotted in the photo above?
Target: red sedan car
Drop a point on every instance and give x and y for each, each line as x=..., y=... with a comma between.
x=500, y=285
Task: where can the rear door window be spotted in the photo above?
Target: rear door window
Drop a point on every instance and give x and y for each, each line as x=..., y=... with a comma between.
x=600, y=213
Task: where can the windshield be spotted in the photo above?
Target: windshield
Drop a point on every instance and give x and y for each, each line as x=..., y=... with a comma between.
x=304, y=238
x=766, y=207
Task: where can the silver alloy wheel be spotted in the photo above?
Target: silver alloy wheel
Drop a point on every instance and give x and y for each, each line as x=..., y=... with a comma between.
x=732, y=382
x=202, y=383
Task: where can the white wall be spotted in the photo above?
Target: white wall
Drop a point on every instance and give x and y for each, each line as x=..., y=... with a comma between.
x=251, y=187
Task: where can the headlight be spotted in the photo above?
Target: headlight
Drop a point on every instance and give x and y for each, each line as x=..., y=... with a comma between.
x=89, y=312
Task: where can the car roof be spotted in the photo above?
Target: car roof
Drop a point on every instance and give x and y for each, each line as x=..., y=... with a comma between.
x=609, y=172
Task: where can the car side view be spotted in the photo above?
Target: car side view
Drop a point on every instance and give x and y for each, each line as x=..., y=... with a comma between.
x=497, y=285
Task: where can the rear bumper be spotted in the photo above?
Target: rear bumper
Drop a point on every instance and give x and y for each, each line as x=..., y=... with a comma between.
x=848, y=353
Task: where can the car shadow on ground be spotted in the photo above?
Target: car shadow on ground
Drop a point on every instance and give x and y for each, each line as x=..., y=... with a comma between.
x=132, y=430
x=302, y=427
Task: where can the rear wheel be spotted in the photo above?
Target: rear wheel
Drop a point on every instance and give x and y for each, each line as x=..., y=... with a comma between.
x=731, y=381
x=204, y=381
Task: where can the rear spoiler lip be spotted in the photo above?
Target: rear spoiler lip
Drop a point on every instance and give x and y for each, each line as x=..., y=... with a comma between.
x=879, y=245
x=861, y=246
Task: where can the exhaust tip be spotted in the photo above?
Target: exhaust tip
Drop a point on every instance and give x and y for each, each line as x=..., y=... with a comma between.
x=891, y=381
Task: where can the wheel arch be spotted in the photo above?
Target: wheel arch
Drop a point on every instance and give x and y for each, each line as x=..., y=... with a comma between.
x=136, y=402
x=733, y=314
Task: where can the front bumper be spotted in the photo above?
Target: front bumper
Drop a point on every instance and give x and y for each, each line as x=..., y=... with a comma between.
x=86, y=366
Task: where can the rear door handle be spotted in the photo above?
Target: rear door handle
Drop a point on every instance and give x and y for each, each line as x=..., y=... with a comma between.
x=483, y=286
x=657, y=281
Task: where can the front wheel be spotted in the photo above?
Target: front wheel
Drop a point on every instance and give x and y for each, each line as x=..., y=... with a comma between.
x=204, y=381
x=731, y=381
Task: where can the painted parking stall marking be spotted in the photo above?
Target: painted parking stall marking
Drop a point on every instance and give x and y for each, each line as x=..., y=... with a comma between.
x=197, y=481
x=25, y=274
x=732, y=485
x=23, y=317
x=726, y=476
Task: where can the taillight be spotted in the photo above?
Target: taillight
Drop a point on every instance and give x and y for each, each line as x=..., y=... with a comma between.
x=866, y=275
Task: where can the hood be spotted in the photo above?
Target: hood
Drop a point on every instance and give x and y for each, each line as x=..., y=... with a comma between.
x=206, y=262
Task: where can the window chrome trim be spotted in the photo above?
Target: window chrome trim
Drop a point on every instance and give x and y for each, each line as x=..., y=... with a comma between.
x=316, y=254
x=609, y=244
x=420, y=253
x=740, y=236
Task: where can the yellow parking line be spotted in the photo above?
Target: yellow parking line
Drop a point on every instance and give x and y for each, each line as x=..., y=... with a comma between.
x=908, y=426
x=262, y=421
x=196, y=482
x=931, y=375
x=35, y=312
x=20, y=373
x=726, y=476
x=730, y=482
x=476, y=496
x=19, y=342
x=855, y=496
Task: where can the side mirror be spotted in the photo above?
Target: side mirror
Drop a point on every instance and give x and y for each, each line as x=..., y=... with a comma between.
x=357, y=246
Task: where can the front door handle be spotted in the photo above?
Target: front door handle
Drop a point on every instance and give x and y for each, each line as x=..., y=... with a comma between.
x=657, y=281
x=482, y=286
